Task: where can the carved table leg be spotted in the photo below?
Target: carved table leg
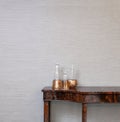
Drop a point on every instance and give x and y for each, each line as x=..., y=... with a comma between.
x=84, y=112
x=46, y=111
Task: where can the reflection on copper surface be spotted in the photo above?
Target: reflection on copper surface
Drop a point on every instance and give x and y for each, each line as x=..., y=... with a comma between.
x=57, y=84
x=73, y=83
x=66, y=85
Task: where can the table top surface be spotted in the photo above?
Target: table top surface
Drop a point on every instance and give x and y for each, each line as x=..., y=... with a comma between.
x=87, y=90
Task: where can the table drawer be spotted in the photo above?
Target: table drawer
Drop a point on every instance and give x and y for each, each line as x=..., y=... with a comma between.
x=117, y=98
x=99, y=98
x=68, y=96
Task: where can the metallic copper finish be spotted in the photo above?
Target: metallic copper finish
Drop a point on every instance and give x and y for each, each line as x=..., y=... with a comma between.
x=66, y=85
x=73, y=83
x=57, y=84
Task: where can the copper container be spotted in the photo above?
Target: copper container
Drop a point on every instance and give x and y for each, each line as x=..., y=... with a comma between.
x=57, y=84
x=73, y=83
x=66, y=85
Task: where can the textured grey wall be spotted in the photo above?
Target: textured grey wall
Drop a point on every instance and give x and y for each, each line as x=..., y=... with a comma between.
x=35, y=34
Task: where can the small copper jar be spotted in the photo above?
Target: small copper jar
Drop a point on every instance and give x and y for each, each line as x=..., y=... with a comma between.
x=57, y=84
x=73, y=83
x=66, y=85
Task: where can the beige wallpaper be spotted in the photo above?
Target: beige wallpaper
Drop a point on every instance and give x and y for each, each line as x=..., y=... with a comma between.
x=36, y=34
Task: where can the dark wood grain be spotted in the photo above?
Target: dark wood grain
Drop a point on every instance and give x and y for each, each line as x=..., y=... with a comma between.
x=84, y=95
x=84, y=112
x=46, y=111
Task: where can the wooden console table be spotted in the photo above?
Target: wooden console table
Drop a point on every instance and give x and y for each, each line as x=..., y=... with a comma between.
x=84, y=95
